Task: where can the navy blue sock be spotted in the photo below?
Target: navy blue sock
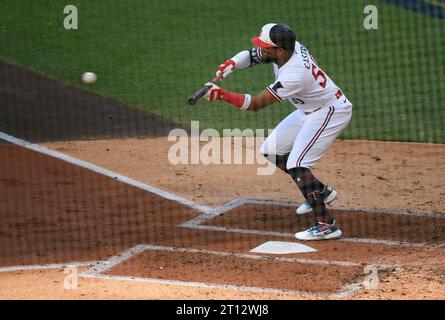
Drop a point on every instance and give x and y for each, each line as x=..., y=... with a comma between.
x=311, y=189
x=279, y=160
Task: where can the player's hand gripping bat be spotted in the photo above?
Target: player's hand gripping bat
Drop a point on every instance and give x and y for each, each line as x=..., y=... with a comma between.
x=201, y=92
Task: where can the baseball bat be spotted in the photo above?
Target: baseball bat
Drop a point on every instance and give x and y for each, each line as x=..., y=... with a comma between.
x=201, y=92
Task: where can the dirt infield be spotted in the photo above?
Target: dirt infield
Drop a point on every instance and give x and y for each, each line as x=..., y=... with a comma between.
x=63, y=213
x=193, y=242
x=55, y=212
x=354, y=223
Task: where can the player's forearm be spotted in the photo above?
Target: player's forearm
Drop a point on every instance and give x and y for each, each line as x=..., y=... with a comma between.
x=257, y=104
x=242, y=60
x=239, y=100
x=244, y=102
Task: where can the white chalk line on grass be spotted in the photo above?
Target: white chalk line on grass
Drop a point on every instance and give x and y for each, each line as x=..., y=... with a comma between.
x=98, y=270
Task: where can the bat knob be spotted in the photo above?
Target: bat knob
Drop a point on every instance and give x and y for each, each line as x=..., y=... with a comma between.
x=191, y=101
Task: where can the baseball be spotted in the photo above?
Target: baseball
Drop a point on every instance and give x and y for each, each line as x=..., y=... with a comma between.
x=89, y=77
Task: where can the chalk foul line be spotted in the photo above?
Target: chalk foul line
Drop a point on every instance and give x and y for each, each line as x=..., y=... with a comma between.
x=207, y=213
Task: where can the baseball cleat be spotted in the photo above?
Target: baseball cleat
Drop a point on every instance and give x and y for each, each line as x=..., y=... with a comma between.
x=321, y=231
x=328, y=194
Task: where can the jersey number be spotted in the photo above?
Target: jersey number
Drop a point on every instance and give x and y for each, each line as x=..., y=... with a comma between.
x=317, y=72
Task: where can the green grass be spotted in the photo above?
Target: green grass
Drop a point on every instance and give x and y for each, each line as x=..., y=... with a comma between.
x=153, y=54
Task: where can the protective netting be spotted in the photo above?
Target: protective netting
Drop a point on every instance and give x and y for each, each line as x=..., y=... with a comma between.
x=154, y=54
x=149, y=56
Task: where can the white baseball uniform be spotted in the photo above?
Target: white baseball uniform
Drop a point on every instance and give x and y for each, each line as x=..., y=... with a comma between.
x=322, y=112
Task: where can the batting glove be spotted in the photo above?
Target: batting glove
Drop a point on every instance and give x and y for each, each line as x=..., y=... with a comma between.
x=215, y=92
x=226, y=68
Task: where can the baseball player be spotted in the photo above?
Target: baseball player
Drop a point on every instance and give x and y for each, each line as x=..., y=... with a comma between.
x=302, y=138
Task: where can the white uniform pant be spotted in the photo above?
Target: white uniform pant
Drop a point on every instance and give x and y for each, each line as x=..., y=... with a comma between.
x=307, y=137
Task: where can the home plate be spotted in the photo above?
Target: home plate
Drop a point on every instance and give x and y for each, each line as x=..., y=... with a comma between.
x=281, y=247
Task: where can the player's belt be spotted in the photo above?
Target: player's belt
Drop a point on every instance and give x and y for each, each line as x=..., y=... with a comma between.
x=306, y=113
x=338, y=95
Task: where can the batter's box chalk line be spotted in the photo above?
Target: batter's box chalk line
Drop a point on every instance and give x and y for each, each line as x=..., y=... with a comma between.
x=207, y=213
x=98, y=271
x=49, y=266
x=98, y=268
x=199, y=222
